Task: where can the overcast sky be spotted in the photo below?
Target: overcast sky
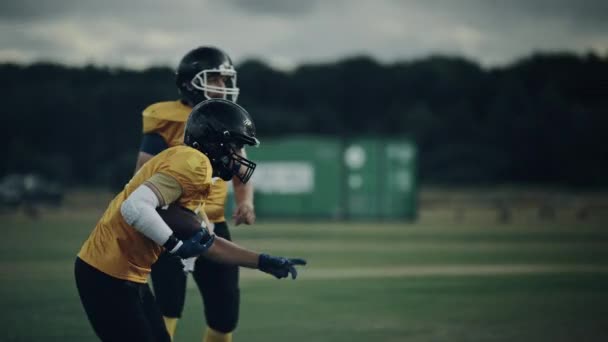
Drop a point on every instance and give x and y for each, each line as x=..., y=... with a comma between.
x=285, y=33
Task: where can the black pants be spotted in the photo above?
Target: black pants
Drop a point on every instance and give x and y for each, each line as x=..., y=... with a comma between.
x=217, y=283
x=118, y=310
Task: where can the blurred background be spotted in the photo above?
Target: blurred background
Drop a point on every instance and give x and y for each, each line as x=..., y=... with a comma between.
x=441, y=164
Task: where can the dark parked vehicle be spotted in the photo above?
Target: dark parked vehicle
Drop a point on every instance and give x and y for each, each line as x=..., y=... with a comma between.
x=29, y=190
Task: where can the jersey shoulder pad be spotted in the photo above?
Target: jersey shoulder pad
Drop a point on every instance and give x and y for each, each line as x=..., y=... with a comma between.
x=191, y=168
x=168, y=110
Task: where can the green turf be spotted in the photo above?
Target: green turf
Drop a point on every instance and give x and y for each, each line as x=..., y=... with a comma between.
x=564, y=302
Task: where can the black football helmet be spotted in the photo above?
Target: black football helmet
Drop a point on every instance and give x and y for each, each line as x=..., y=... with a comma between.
x=219, y=128
x=195, y=71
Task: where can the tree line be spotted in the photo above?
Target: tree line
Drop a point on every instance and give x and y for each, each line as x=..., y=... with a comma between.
x=540, y=120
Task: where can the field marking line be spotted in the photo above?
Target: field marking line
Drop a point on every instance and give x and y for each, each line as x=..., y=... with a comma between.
x=430, y=271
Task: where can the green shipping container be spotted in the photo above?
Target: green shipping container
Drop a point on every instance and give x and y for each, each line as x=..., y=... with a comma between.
x=297, y=177
x=380, y=179
x=399, y=187
x=313, y=178
x=361, y=160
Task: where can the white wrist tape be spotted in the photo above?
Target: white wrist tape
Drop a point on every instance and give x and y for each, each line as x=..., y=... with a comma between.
x=179, y=244
x=139, y=211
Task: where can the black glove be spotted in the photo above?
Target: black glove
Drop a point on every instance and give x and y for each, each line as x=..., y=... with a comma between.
x=198, y=244
x=279, y=267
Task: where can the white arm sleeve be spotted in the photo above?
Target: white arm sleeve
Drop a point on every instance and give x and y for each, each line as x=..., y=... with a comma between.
x=139, y=211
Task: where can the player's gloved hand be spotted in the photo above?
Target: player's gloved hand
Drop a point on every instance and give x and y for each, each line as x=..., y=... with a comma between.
x=279, y=267
x=198, y=244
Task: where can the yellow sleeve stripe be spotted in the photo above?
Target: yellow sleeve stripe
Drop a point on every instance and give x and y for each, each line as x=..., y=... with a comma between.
x=166, y=187
x=157, y=193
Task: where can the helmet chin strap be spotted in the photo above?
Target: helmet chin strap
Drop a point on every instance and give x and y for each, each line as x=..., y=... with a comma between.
x=235, y=168
x=232, y=165
x=223, y=169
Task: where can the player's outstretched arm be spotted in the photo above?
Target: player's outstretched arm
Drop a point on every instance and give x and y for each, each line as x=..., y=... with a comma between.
x=280, y=267
x=139, y=211
x=228, y=252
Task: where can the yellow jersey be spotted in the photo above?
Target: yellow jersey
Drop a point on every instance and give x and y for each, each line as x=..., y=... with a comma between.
x=116, y=248
x=168, y=119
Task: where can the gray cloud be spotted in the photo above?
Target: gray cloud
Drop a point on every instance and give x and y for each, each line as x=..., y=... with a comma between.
x=139, y=33
x=273, y=7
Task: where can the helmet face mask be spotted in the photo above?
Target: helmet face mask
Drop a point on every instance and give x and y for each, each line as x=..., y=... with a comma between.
x=227, y=163
x=220, y=129
x=205, y=82
x=198, y=73
x=242, y=167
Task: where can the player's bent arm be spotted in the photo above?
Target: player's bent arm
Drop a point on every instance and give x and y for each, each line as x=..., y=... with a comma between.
x=243, y=195
x=139, y=211
x=243, y=192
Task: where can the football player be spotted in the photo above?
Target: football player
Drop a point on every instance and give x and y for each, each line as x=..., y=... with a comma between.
x=113, y=264
x=202, y=74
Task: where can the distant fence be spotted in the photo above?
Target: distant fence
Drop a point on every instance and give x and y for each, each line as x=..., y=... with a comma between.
x=506, y=205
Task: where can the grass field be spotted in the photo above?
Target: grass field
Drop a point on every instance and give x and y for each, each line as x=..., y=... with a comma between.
x=364, y=282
